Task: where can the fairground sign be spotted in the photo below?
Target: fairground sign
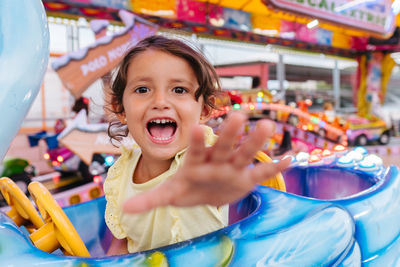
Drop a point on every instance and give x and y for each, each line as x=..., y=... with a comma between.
x=371, y=16
x=79, y=69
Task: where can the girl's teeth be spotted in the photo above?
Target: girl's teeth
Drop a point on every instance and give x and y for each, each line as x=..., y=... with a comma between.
x=161, y=138
x=162, y=121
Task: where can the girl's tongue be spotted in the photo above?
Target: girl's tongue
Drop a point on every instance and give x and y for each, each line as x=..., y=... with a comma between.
x=161, y=131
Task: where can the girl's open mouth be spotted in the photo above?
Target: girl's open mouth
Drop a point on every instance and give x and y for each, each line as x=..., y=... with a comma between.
x=162, y=130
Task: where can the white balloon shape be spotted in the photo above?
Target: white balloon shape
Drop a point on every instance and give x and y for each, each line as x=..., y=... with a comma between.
x=24, y=53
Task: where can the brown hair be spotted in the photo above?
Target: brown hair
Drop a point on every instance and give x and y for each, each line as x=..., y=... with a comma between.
x=204, y=71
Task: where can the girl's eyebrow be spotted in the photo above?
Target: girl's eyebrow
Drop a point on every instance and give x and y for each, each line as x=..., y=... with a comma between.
x=138, y=80
x=175, y=80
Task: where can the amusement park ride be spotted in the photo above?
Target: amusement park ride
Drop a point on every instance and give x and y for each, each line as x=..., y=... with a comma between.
x=315, y=129
x=338, y=206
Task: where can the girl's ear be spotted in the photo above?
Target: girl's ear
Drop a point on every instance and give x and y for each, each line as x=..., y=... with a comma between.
x=120, y=115
x=207, y=110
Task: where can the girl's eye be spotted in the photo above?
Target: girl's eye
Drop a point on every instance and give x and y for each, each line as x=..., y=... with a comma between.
x=141, y=90
x=180, y=90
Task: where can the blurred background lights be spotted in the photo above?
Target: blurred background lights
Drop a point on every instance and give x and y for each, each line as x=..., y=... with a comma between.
x=373, y=159
x=302, y=156
x=109, y=160
x=312, y=24
x=236, y=106
x=345, y=161
x=355, y=155
x=367, y=165
x=361, y=150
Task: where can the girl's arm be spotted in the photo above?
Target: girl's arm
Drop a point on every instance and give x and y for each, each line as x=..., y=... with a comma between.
x=118, y=247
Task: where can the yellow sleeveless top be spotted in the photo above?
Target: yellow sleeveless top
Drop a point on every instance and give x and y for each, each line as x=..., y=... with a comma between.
x=161, y=226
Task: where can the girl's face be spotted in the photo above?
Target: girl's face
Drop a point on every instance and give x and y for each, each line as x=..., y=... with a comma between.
x=159, y=103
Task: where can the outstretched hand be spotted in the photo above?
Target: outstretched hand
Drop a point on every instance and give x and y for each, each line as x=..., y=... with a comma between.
x=215, y=175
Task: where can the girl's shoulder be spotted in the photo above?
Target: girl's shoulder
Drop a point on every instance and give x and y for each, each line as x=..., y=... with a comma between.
x=117, y=170
x=128, y=153
x=128, y=150
x=209, y=137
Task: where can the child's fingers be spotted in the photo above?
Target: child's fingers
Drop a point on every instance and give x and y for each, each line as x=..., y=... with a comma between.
x=196, y=151
x=228, y=137
x=263, y=171
x=147, y=201
x=255, y=141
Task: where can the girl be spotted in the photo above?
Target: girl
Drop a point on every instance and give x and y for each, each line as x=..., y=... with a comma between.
x=175, y=185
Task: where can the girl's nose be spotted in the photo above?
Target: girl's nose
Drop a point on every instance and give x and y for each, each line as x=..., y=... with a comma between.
x=160, y=100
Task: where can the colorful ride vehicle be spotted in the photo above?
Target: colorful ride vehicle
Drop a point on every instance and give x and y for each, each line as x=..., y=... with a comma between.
x=19, y=170
x=287, y=114
x=362, y=131
x=60, y=158
x=63, y=160
x=66, y=162
x=306, y=121
x=340, y=210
